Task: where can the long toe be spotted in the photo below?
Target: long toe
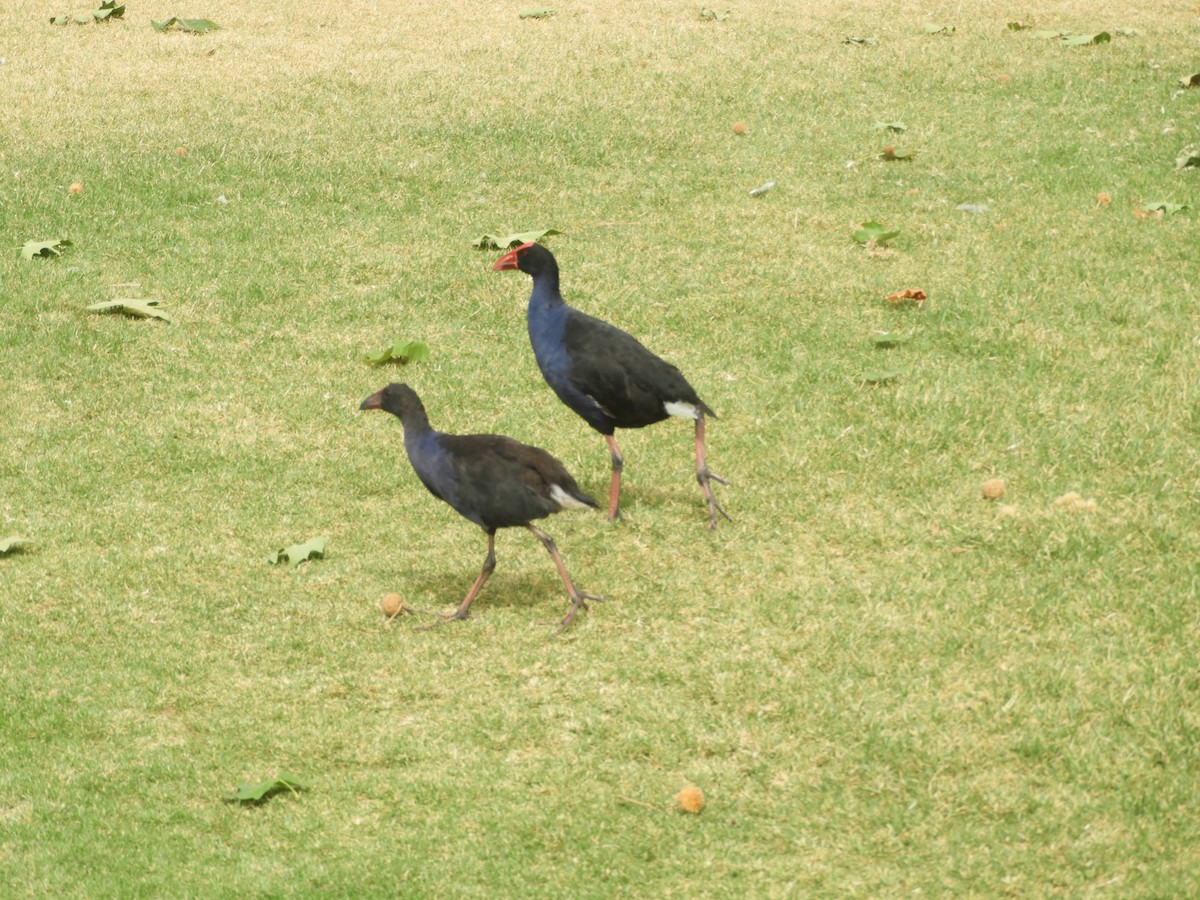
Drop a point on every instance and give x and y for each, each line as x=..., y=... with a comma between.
x=569, y=617
x=577, y=603
x=442, y=619
x=714, y=509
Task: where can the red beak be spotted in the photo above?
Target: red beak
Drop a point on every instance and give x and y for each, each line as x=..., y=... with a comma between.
x=509, y=260
x=375, y=401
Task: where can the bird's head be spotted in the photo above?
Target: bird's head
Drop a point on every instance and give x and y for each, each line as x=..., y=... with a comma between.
x=532, y=259
x=398, y=399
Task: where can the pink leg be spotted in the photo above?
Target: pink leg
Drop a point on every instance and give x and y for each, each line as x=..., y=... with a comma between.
x=614, y=490
x=703, y=476
x=577, y=596
x=463, y=611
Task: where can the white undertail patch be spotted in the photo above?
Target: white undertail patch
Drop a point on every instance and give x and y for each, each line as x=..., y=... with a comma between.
x=565, y=500
x=682, y=410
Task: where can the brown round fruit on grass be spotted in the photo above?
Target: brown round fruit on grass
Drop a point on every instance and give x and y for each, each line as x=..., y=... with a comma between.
x=75, y=188
x=739, y=127
x=392, y=605
x=181, y=151
x=992, y=489
x=690, y=799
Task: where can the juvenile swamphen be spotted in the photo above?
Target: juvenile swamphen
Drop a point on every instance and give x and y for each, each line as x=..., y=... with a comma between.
x=605, y=374
x=493, y=480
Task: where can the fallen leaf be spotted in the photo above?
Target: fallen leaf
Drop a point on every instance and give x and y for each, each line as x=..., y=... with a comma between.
x=761, y=189
x=256, y=793
x=1080, y=40
x=106, y=11
x=873, y=233
x=537, y=12
x=493, y=242
x=402, y=352
x=13, y=542
x=907, y=297
x=975, y=209
x=937, y=28
x=882, y=377
x=1162, y=208
x=1189, y=160
x=1018, y=26
x=1190, y=81
x=52, y=247
x=191, y=26
x=142, y=309
x=1145, y=214
x=886, y=340
x=713, y=15
x=861, y=41
x=298, y=553
x=891, y=126
x=1046, y=35
x=897, y=153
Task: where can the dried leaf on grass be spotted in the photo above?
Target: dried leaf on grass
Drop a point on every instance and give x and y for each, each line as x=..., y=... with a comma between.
x=190, y=26
x=873, y=233
x=907, y=297
x=50, y=248
x=106, y=11
x=298, y=553
x=139, y=309
x=496, y=242
x=877, y=376
x=13, y=543
x=263, y=790
x=402, y=352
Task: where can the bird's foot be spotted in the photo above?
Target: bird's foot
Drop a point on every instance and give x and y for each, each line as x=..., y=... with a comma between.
x=578, y=602
x=442, y=618
x=706, y=475
x=714, y=508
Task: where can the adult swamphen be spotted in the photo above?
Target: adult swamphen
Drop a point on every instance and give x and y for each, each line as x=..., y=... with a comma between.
x=493, y=480
x=604, y=374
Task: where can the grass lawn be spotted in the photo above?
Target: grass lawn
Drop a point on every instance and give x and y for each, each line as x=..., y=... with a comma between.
x=884, y=684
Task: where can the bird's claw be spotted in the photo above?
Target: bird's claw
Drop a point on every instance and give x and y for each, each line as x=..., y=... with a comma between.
x=714, y=508
x=577, y=603
x=704, y=476
x=442, y=618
